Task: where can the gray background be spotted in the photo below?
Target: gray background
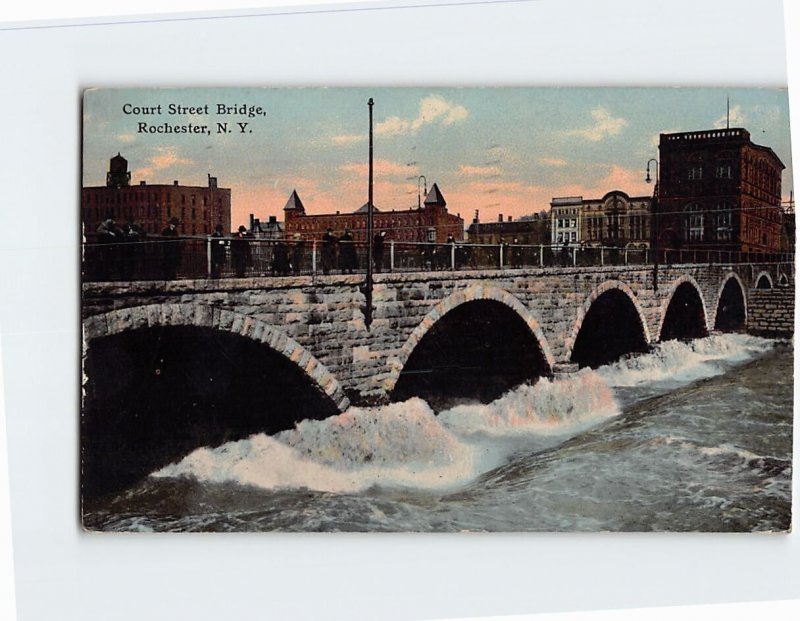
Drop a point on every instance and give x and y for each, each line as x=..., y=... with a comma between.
x=63, y=573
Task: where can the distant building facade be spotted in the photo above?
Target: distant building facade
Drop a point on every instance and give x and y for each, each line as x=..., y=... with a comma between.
x=718, y=190
x=616, y=220
x=271, y=229
x=430, y=223
x=530, y=231
x=199, y=209
x=565, y=220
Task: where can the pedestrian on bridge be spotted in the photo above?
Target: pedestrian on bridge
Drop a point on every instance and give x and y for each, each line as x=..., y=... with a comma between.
x=218, y=252
x=171, y=250
x=377, y=250
x=329, y=243
x=348, y=260
x=241, y=256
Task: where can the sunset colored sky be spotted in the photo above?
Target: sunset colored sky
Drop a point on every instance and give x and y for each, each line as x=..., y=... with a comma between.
x=501, y=151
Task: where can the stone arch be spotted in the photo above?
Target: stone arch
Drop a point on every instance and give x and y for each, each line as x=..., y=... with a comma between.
x=602, y=288
x=469, y=294
x=763, y=277
x=671, y=292
x=203, y=316
x=742, y=288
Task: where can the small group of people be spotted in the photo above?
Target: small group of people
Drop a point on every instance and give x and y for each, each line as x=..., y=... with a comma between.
x=342, y=251
x=241, y=253
x=119, y=251
x=341, y=248
x=288, y=259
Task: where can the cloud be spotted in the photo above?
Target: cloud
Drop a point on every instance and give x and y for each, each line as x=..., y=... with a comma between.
x=126, y=138
x=432, y=109
x=479, y=171
x=165, y=157
x=380, y=168
x=348, y=138
x=605, y=125
x=552, y=161
x=737, y=118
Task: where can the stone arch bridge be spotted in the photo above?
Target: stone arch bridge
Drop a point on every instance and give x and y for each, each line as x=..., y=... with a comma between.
x=563, y=315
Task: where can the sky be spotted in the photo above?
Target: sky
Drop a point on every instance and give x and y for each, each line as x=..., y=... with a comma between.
x=496, y=150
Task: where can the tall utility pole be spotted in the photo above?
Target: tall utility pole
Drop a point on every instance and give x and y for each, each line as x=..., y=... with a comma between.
x=654, y=221
x=368, y=287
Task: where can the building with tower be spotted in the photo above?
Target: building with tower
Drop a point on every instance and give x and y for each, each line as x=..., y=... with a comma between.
x=430, y=223
x=718, y=191
x=198, y=208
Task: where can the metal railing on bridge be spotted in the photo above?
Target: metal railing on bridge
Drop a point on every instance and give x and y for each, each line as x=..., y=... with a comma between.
x=225, y=257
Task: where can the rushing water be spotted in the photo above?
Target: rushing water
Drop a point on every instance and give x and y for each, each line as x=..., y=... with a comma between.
x=691, y=436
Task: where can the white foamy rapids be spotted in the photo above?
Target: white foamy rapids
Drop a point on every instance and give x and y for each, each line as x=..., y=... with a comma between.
x=402, y=444
x=549, y=407
x=682, y=362
x=399, y=445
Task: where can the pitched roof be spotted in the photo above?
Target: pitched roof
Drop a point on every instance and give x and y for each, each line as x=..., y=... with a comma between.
x=435, y=197
x=365, y=207
x=294, y=202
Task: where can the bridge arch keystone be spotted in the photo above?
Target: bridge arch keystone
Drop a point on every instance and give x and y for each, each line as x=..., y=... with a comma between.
x=463, y=296
x=204, y=316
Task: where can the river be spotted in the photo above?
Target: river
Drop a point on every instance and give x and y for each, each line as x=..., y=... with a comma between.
x=691, y=436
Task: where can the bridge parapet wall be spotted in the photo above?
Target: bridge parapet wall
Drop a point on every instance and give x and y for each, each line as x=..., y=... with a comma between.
x=325, y=314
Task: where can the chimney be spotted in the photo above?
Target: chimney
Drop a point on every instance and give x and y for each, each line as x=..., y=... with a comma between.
x=509, y=218
x=273, y=220
x=175, y=182
x=212, y=181
x=143, y=183
x=252, y=222
x=500, y=218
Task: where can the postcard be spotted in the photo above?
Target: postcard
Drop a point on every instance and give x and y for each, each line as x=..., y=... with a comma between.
x=436, y=309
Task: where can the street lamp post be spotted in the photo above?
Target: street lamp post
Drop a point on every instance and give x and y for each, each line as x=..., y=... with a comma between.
x=419, y=206
x=368, y=287
x=654, y=220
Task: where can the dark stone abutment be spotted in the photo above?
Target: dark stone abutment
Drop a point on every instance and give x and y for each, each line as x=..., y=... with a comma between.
x=153, y=395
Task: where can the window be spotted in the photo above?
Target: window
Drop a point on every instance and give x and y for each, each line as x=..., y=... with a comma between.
x=560, y=237
x=724, y=171
x=695, y=219
x=695, y=173
x=723, y=222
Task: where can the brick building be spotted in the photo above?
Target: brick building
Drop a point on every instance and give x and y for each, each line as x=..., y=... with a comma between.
x=719, y=191
x=430, y=223
x=198, y=208
x=529, y=231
